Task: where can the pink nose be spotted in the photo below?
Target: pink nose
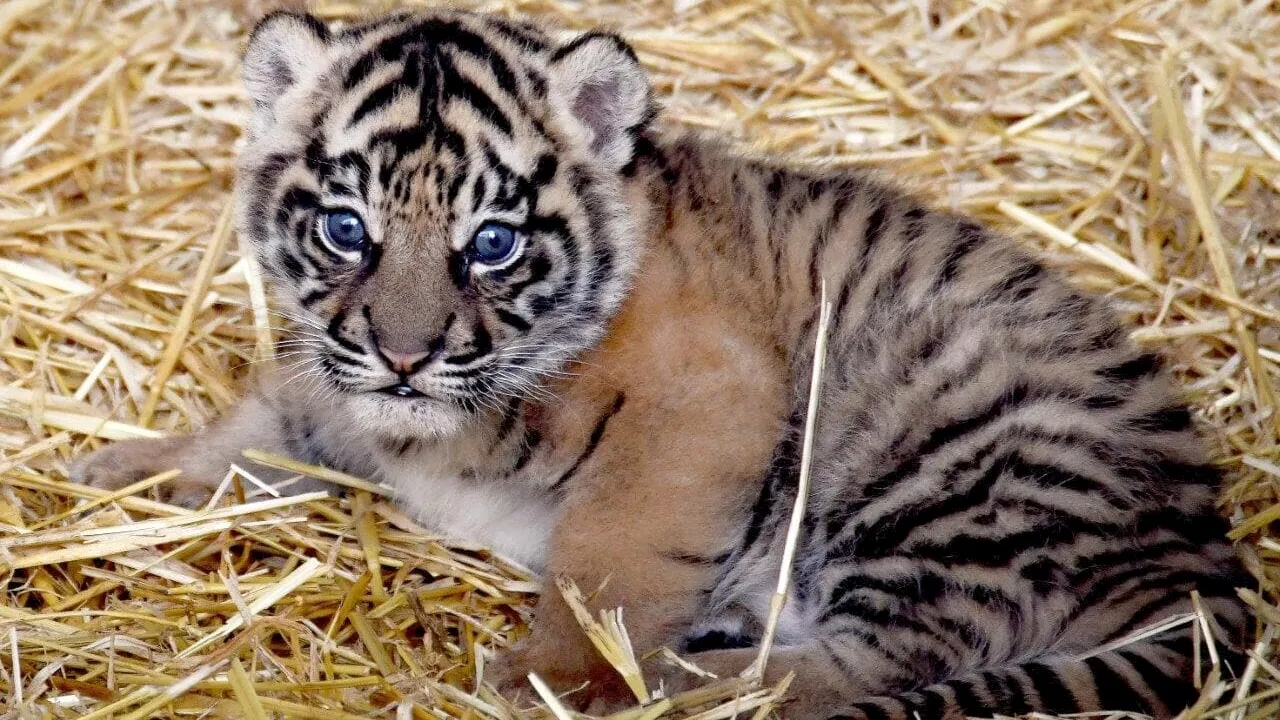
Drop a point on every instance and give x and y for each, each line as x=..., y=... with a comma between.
x=404, y=363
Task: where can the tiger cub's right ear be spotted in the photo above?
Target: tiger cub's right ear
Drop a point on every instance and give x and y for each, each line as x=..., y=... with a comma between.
x=285, y=50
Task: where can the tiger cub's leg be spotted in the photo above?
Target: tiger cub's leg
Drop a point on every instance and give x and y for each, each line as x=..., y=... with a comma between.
x=653, y=512
x=644, y=531
x=264, y=421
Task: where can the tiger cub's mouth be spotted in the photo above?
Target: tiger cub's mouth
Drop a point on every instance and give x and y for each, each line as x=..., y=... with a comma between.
x=402, y=390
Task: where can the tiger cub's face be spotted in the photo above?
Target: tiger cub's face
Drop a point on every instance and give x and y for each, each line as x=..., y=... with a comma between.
x=438, y=202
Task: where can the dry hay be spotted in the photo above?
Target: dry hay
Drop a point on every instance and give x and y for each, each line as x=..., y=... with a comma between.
x=1133, y=142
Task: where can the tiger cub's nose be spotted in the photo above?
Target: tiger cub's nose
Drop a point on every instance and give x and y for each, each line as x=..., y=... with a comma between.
x=404, y=363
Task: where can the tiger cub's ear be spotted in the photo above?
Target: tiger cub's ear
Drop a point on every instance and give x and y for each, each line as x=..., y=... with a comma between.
x=285, y=50
x=599, y=85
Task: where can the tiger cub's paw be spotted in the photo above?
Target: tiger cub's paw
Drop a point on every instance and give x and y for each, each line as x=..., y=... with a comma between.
x=123, y=463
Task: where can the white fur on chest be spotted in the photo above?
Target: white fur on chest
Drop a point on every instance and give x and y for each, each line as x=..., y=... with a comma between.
x=507, y=517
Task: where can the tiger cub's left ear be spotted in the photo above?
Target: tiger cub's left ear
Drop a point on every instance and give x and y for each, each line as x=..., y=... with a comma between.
x=599, y=85
x=285, y=50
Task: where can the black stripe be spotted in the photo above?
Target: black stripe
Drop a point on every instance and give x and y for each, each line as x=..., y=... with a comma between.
x=1046, y=575
x=454, y=188
x=688, y=558
x=520, y=34
x=359, y=70
x=884, y=536
x=1189, y=473
x=509, y=417
x=1164, y=420
x=532, y=438
x=538, y=268
x=545, y=171
x=512, y=319
x=597, y=433
x=966, y=698
x=340, y=188
x=314, y=297
x=1174, y=692
x=967, y=630
x=1144, y=365
x=783, y=472
x=981, y=551
x=355, y=161
x=1021, y=283
x=1104, y=401
x=317, y=160
x=478, y=192
x=1055, y=698
x=1006, y=693
x=617, y=42
x=715, y=640
x=1143, y=562
x=268, y=172
x=603, y=269
x=872, y=711
x=1052, y=476
x=334, y=330
x=294, y=199
x=369, y=263
x=481, y=345
x=342, y=359
x=919, y=586
x=459, y=264
x=1114, y=691
x=457, y=86
x=871, y=235
x=995, y=690
x=1016, y=694
x=289, y=264
x=830, y=224
x=381, y=97
x=934, y=705
x=873, y=231
x=1009, y=400
x=873, y=613
x=967, y=238
x=406, y=140
x=888, y=290
x=469, y=43
x=552, y=224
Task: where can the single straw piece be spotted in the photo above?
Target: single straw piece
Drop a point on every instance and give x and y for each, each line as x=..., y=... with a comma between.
x=178, y=338
x=756, y=670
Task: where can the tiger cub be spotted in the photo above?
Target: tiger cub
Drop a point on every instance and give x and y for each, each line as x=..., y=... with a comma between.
x=560, y=333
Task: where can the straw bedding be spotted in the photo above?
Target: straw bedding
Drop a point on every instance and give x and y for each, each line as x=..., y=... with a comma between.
x=1135, y=143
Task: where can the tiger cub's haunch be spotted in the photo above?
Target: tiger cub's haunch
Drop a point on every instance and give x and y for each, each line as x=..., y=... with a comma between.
x=559, y=333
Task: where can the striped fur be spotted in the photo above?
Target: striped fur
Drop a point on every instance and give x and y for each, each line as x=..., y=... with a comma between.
x=1001, y=483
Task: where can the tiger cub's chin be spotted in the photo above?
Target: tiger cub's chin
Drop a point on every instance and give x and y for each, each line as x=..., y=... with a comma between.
x=379, y=414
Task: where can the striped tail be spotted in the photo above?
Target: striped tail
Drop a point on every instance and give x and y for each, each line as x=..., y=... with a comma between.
x=1153, y=677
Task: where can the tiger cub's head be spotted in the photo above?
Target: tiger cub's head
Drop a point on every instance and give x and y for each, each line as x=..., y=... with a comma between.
x=438, y=199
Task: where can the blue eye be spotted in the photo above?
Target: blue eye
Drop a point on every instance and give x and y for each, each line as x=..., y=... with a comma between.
x=345, y=230
x=494, y=244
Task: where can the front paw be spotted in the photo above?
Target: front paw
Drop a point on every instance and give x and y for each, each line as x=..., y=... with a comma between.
x=123, y=463
x=508, y=673
x=578, y=679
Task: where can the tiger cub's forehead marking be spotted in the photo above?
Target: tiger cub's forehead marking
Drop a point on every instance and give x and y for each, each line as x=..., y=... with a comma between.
x=432, y=123
x=460, y=64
